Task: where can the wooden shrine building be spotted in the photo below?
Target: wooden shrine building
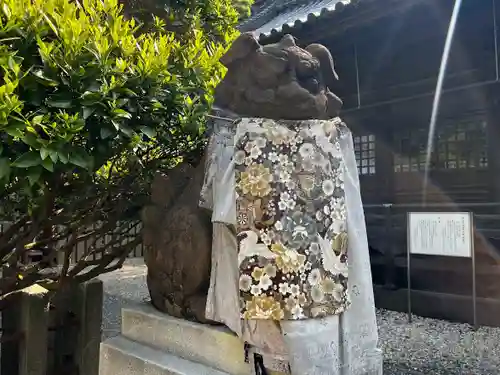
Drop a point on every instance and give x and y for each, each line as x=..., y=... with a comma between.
x=387, y=54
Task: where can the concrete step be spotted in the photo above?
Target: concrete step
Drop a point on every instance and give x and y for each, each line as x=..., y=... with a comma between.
x=215, y=347
x=121, y=356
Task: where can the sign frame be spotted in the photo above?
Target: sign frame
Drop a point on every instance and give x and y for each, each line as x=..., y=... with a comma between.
x=471, y=256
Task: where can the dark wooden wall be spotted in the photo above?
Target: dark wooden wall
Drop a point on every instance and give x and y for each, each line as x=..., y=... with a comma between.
x=388, y=73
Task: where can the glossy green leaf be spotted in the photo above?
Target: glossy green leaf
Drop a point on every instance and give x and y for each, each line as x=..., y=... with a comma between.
x=15, y=129
x=6, y=10
x=127, y=91
x=116, y=124
x=126, y=130
x=4, y=167
x=44, y=153
x=37, y=120
x=48, y=164
x=29, y=159
x=77, y=125
x=150, y=132
x=63, y=157
x=53, y=156
x=59, y=103
x=90, y=98
x=80, y=158
x=31, y=140
x=87, y=112
x=34, y=175
x=44, y=80
x=120, y=113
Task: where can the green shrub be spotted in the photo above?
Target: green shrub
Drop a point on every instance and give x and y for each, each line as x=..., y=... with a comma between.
x=89, y=106
x=243, y=7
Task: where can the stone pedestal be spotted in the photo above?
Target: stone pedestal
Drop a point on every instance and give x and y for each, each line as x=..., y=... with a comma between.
x=154, y=343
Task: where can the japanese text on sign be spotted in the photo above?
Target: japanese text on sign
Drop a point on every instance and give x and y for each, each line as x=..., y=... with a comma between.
x=440, y=233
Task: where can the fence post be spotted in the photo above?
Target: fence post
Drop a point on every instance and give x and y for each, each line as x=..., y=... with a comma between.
x=77, y=328
x=390, y=261
x=24, y=331
x=90, y=300
x=34, y=324
x=10, y=328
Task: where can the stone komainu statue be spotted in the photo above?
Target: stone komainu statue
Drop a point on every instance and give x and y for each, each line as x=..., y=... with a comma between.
x=277, y=81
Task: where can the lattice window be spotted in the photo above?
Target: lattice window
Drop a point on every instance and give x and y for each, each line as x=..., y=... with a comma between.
x=463, y=146
x=364, y=149
x=458, y=145
x=410, y=156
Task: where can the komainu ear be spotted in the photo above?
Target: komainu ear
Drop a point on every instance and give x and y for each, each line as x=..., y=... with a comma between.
x=323, y=55
x=242, y=47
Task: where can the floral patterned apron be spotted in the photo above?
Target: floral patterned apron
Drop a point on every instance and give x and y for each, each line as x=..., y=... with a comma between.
x=291, y=219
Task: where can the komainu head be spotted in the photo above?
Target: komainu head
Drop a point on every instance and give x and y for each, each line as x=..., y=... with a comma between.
x=278, y=81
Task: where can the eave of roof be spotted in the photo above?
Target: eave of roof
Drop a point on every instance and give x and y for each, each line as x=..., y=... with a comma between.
x=287, y=15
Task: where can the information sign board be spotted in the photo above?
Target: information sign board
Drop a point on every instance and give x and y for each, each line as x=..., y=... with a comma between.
x=440, y=233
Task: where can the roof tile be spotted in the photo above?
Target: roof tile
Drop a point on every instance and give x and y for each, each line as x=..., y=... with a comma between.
x=271, y=18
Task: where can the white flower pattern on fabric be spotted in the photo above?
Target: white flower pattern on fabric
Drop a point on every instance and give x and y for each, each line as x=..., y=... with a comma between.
x=292, y=241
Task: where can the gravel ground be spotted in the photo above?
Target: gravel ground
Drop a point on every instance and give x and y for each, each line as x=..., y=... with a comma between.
x=121, y=288
x=430, y=346
x=424, y=347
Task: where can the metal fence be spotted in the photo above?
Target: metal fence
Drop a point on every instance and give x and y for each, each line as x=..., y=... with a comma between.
x=82, y=248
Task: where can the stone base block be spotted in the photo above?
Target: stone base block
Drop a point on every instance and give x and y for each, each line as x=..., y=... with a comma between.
x=121, y=356
x=373, y=364
x=216, y=347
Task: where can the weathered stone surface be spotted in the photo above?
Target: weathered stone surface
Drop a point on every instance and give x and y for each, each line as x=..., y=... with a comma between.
x=177, y=238
x=90, y=305
x=33, y=322
x=277, y=81
x=216, y=347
